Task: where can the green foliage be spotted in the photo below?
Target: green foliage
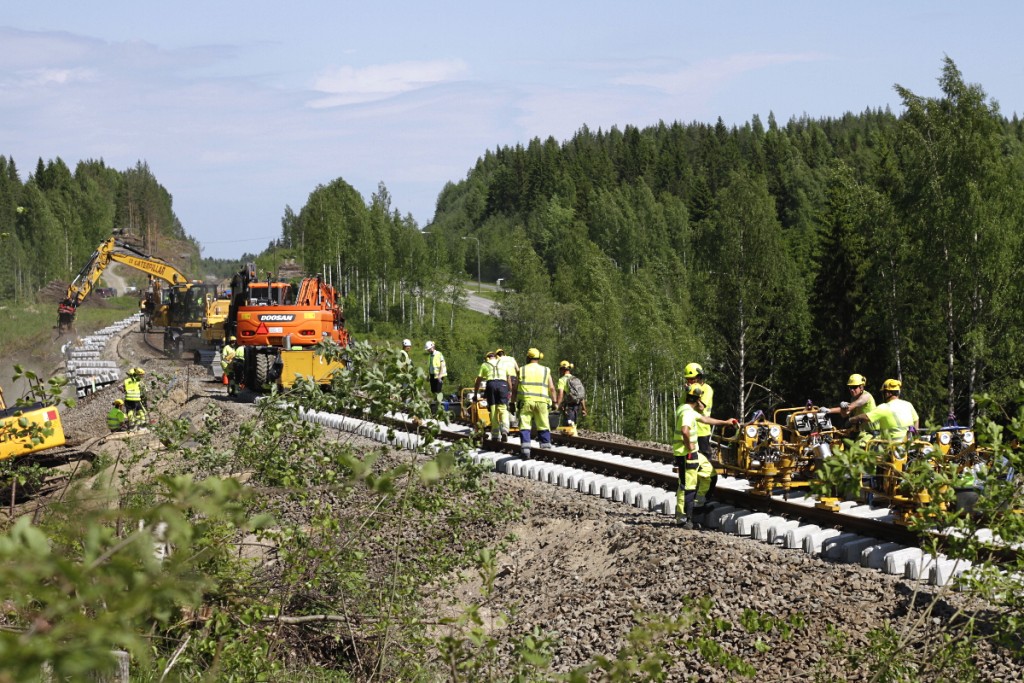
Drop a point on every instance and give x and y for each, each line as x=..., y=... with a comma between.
x=78, y=587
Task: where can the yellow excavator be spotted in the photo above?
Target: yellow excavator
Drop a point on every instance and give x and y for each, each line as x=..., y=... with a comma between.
x=179, y=307
x=28, y=429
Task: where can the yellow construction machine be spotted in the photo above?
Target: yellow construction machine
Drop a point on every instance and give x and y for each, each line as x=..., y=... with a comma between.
x=951, y=447
x=476, y=410
x=179, y=306
x=809, y=438
x=28, y=429
x=757, y=453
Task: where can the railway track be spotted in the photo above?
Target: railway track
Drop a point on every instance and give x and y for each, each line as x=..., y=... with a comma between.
x=643, y=477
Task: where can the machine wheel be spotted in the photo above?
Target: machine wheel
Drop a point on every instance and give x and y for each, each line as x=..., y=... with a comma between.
x=263, y=363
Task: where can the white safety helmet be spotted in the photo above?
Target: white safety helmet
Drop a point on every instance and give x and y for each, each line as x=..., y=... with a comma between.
x=406, y=343
x=429, y=346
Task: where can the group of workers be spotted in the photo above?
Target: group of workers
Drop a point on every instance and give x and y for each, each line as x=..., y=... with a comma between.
x=532, y=392
x=528, y=390
x=691, y=443
x=890, y=421
x=129, y=413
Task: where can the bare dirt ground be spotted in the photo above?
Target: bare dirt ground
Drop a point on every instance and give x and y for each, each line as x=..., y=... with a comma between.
x=584, y=569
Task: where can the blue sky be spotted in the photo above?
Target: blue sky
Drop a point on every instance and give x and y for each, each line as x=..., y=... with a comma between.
x=242, y=108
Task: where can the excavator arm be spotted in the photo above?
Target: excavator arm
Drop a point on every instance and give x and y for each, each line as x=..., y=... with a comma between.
x=121, y=252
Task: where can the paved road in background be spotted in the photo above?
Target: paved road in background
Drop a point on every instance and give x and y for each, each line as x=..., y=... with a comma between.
x=480, y=304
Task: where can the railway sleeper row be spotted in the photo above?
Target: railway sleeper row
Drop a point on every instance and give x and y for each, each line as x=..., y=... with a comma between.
x=830, y=541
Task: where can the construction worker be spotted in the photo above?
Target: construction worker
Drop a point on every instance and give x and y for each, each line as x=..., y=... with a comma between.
x=406, y=350
x=570, y=406
x=227, y=354
x=134, y=407
x=894, y=417
x=237, y=370
x=696, y=474
x=511, y=370
x=534, y=393
x=861, y=402
x=116, y=418
x=496, y=393
x=694, y=375
x=437, y=370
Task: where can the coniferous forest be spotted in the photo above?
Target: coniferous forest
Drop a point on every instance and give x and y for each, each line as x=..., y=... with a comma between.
x=780, y=256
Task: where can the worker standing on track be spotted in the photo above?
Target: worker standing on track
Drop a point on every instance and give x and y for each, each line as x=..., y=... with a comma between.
x=696, y=474
x=134, y=399
x=694, y=375
x=567, y=402
x=496, y=393
x=895, y=417
x=534, y=393
x=862, y=402
x=437, y=370
x=116, y=418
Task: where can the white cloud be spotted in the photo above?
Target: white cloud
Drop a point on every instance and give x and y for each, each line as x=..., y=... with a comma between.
x=43, y=77
x=704, y=76
x=351, y=85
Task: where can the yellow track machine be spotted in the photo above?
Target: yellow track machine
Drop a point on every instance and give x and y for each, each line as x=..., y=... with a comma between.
x=952, y=446
x=809, y=438
x=28, y=429
x=757, y=453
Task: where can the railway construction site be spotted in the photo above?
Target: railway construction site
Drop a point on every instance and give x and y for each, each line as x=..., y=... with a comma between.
x=587, y=551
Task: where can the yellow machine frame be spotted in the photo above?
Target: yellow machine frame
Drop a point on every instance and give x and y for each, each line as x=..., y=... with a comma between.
x=49, y=432
x=307, y=364
x=757, y=454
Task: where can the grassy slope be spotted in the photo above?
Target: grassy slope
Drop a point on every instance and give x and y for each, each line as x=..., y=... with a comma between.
x=28, y=335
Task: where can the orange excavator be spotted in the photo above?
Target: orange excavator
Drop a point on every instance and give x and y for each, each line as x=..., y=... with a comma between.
x=278, y=326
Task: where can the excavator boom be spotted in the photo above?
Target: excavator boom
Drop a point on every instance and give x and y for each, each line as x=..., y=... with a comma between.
x=115, y=250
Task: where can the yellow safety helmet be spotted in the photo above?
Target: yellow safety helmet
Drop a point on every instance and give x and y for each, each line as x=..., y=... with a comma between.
x=490, y=354
x=534, y=353
x=695, y=392
x=856, y=380
x=500, y=352
x=139, y=372
x=692, y=370
x=118, y=402
x=565, y=364
x=892, y=385
x=232, y=338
